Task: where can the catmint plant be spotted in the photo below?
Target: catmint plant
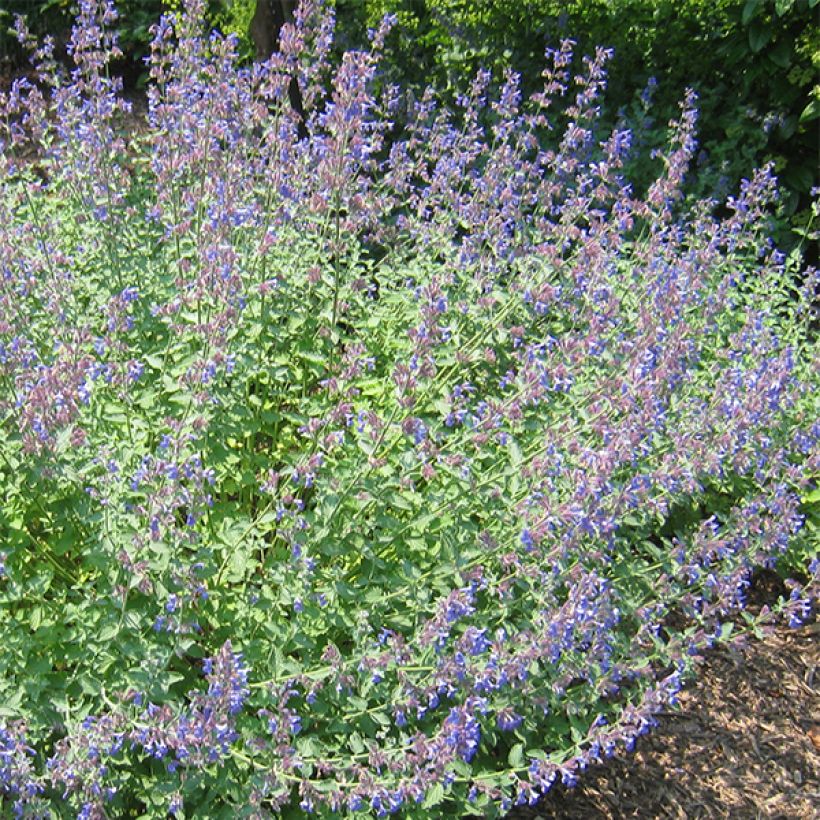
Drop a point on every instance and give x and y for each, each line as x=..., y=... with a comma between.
x=387, y=457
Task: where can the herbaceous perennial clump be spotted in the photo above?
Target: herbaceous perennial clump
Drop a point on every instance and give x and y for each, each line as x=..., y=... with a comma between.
x=406, y=466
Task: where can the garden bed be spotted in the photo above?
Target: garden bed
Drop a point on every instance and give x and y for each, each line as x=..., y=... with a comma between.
x=744, y=744
x=384, y=456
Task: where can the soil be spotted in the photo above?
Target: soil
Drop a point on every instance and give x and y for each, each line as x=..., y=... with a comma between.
x=744, y=744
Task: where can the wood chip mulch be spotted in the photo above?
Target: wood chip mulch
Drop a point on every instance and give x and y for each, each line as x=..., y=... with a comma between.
x=745, y=744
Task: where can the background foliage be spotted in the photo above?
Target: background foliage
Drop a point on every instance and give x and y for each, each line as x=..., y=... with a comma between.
x=753, y=63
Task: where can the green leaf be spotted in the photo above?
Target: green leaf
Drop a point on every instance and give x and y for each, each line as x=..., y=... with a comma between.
x=783, y=7
x=799, y=179
x=381, y=717
x=109, y=632
x=515, y=454
x=750, y=10
x=36, y=618
x=811, y=111
x=516, y=756
x=788, y=127
x=759, y=36
x=434, y=796
x=781, y=54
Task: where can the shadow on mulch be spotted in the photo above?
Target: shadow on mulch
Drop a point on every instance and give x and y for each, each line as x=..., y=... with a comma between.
x=745, y=744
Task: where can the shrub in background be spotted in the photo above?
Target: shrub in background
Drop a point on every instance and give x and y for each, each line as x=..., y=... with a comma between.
x=366, y=475
x=54, y=18
x=753, y=63
x=775, y=51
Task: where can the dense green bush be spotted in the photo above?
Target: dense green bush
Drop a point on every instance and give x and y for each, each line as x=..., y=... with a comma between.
x=341, y=474
x=54, y=18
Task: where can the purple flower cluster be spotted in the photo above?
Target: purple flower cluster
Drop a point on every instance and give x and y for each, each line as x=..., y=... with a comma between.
x=18, y=778
x=86, y=762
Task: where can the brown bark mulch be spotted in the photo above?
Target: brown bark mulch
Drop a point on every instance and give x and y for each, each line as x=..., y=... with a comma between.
x=745, y=744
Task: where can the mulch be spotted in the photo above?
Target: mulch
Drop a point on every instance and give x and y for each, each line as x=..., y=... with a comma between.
x=744, y=744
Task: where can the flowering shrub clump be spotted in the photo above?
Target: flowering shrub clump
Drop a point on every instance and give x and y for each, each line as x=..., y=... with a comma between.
x=389, y=461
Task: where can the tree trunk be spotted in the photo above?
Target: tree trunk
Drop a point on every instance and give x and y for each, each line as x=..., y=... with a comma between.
x=266, y=25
